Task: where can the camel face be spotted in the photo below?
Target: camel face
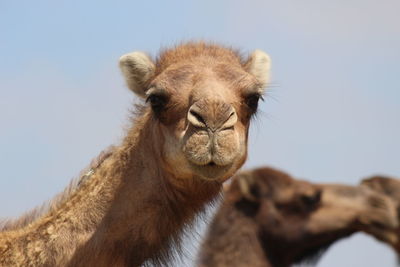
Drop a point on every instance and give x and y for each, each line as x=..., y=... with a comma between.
x=297, y=211
x=347, y=207
x=209, y=137
x=202, y=98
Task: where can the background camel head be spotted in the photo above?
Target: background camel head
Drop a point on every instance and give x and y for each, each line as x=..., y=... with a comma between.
x=391, y=188
x=201, y=98
x=296, y=218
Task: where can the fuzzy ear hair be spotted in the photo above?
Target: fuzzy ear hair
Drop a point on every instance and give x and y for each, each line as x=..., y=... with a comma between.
x=137, y=69
x=226, y=186
x=259, y=64
x=248, y=186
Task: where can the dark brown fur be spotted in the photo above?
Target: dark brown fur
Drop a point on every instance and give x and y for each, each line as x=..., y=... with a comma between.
x=269, y=219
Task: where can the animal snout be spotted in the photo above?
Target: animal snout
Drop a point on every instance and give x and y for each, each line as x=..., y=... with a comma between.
x=212, y=116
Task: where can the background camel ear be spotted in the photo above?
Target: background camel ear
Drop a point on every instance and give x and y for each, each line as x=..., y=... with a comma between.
x=248, y=186
x=137, y=69
x=259, y=64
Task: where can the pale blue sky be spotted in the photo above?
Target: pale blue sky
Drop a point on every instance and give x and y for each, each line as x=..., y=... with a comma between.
x=331, y=116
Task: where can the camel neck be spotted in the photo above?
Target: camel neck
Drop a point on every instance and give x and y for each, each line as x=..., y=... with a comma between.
x=126, y=212
x=150, y=206
x=147, y=208
x=232, y=240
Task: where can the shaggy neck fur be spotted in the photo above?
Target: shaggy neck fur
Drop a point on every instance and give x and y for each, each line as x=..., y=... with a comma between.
x=131, y=210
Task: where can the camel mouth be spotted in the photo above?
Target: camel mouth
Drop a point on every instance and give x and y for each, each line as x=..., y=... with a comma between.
x=211, y=170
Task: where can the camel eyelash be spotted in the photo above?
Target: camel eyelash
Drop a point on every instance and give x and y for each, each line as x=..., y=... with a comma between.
x=251, y=101
x=157, y=101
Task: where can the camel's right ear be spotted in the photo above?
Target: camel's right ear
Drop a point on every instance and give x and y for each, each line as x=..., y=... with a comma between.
x=248, y=186
x=137, y=69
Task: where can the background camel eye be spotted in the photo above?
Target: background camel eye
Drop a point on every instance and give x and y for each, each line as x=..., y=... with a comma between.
x=311, y=200
x=252, y=101
x=157, y=102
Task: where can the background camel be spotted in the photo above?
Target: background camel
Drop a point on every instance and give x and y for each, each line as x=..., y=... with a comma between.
x=189, y=137
x=270, y=219
x=391, y=188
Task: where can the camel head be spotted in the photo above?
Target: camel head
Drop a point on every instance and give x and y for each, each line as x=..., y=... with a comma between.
x=201, y=98
x=391, y=188
x=297, y=219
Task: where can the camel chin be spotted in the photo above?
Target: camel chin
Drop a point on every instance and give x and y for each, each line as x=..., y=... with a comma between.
x=212, y=172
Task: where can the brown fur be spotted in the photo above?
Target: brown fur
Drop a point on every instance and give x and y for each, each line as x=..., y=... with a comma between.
x=269, y=219
x=390, y=187
x=132, y=208
x=195, y=51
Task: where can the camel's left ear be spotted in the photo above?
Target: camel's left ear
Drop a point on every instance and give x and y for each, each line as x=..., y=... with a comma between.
x=248, y=186
x=259, y=64
x=138, y=68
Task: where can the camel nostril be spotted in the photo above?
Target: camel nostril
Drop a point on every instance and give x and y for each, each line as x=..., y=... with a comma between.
x=230, y=120
x=197, y=116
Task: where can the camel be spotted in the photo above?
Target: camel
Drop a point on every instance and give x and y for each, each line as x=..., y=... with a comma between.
x=188, y=137
x=269, y=219
x=390, y=187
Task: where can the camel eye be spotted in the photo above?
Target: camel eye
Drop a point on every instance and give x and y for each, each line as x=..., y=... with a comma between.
x=252, y=101
x=313, y=200
x=157, y=102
